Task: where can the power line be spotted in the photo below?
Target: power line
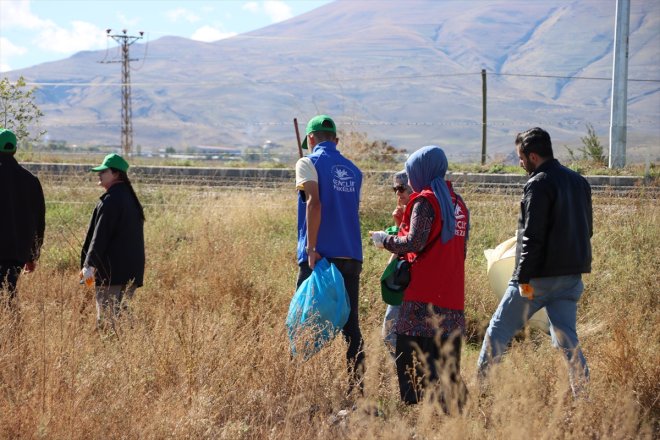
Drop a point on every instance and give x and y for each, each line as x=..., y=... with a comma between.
x=326, y=80
x=597, y=78
x=252, y=82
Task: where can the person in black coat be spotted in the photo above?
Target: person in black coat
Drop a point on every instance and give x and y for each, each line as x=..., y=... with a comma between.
x=23, y=218
x=555, y=226
x=113, y=252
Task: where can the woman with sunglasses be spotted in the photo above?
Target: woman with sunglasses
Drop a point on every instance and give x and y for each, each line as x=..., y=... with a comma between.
x=112, y=257
x=431, y=322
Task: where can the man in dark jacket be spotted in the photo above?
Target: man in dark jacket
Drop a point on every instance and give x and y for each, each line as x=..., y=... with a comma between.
x=553, y=250
x=23, y=218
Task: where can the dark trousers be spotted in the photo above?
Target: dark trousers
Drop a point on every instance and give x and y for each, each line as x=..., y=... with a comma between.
x=9, y=273
x=429, y=368
x=350, y=270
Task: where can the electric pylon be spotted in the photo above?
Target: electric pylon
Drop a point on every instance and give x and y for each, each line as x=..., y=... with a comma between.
x=126, y=109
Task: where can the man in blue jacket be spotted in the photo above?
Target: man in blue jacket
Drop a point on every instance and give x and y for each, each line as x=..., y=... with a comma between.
x=23, y=218
x=329, y=225
x=553, y=251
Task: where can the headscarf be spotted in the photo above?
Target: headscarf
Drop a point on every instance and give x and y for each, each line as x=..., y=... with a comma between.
x=426, y=168
x=401, y=178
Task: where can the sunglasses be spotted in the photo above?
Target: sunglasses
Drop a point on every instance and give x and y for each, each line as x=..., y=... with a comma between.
x=399, y=188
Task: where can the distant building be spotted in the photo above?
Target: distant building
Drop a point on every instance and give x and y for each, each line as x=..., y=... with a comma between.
x=216, y=153
x=269, y=145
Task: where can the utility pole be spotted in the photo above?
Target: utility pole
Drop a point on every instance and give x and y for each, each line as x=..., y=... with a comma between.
x=126, y=110
x=618, y=119
x=483, y=117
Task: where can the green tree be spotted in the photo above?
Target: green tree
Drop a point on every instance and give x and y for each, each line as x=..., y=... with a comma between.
x=18, y=110
x=592, y=150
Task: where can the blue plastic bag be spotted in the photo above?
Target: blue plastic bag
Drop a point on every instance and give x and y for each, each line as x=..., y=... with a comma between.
x=318, y=310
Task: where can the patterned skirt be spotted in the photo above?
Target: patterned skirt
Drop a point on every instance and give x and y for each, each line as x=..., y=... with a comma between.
x=427, y=320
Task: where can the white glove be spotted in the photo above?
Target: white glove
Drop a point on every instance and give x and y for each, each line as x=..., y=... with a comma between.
x=88, y=272
x=378, y=238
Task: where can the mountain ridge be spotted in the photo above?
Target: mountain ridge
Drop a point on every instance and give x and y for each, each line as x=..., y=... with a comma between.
x=407, y=72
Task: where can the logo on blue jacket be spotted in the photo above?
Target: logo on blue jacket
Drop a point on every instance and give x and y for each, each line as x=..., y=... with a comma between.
x=343, y=178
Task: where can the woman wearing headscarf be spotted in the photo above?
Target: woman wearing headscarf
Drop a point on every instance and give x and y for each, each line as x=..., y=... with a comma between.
x=113, y=253
x=433, y=236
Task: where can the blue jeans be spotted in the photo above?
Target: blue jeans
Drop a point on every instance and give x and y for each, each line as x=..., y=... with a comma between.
x=559, y=295
x=391, y=315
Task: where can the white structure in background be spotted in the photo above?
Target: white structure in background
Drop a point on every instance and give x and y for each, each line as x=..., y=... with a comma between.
x=620, y=86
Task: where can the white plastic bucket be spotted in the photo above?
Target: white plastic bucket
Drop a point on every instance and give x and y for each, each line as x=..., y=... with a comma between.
x=501, y=262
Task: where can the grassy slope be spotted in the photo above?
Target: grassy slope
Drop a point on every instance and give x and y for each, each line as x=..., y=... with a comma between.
x=205, y=354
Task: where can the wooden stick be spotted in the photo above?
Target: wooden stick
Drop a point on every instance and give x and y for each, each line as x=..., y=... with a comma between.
x=295, y=125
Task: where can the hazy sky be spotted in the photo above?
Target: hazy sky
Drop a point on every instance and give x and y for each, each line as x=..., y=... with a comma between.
x=37, y=31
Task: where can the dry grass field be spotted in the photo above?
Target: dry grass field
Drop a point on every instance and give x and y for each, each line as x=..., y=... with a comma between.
x=205, y=352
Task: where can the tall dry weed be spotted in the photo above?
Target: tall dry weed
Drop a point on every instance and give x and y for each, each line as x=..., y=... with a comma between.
x=204, y=352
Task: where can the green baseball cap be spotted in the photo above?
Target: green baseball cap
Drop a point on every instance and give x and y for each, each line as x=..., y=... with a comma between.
x=319, y=123
x=7, y=141
x=112, y=161
x=392, y=293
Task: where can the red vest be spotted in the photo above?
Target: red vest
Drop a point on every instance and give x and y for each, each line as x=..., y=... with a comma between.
x=437, y=276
